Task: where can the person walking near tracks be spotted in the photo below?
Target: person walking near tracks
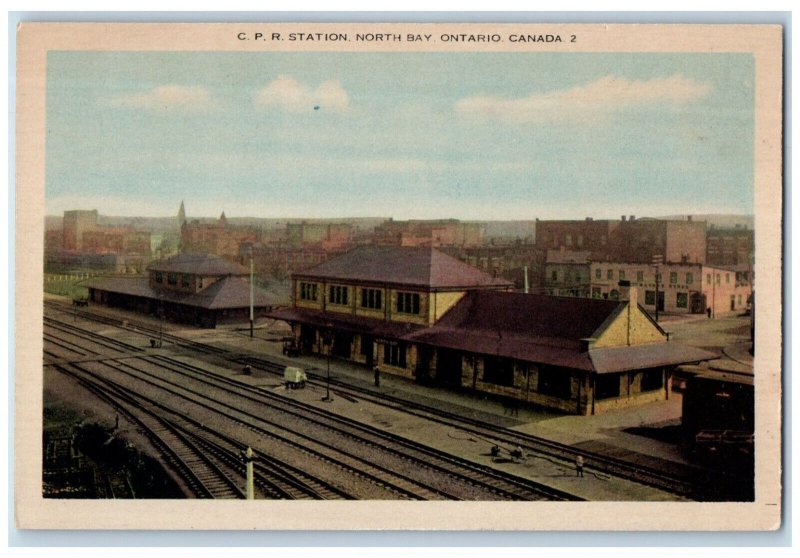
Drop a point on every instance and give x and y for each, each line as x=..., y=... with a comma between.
x=377, y=376
x=579, y=466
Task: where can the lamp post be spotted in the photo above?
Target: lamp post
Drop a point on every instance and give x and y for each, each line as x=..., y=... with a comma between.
x=327, y=340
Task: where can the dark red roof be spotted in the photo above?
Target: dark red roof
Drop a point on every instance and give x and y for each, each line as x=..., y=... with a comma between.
x=198, y=264
x=344, y=322
x=547, y=330
x=228, y=292
x=539, y=316
x=619, y=359
x=421, y=267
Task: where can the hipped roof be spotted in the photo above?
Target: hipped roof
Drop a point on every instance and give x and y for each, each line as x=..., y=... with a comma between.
x=228, y=292
x=410, y=266
x=198, y=264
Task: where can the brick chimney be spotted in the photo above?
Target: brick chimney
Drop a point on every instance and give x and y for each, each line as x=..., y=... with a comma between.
x=626, y=292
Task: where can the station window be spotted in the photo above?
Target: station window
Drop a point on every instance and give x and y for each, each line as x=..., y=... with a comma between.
x=394, y=354
x=689, y=278
x=498, y=371
x=727, y=277
x=610, y=274
x=308, y=291
x=596, y=292
x=408, y=303
x=554, y=381
x=598, y=273
x=621, y=275
x=337, y=294
x=682, y=300
x=185, y=281
x=652, y=380
x=199, y=282
x=159, y=277
x=640, y=276
x=708, y=278
x=580, y=241
x=172, y=278
x=371, y=298
x=569, y=240
x=650, y=298
x=606, y=387
x=554, y=276
x=673, y=276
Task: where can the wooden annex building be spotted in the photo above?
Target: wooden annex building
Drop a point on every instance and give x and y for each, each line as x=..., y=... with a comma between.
x=198, y=289
x=420, y=313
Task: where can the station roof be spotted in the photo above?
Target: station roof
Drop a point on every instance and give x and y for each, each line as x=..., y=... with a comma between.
x=344, y=322
x=198, y=264
x=411, y=266
x=228, y=292
x=548, y=330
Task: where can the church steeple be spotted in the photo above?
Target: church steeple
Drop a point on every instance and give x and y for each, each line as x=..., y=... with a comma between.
x=223, y=220
x=181, y=215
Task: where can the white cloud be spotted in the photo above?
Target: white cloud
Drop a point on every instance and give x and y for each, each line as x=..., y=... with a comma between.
x=167, y=97
x=597, y=99
x=289, y=94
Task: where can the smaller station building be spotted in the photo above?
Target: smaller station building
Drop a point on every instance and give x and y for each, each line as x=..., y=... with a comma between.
x=198, y=289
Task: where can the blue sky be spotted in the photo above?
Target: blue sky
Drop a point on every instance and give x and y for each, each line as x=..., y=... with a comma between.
x=429, y=135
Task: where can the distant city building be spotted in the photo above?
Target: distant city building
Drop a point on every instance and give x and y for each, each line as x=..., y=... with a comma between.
x=199, y=289
x=510, y=261
x=419, y=313
x=86, y=244
x=326, y=236
x=280, y=260
x=629, y=239
x=75, y=223
x=730, y=247
x=589, y=235
x=680, y=288
x=432, y=233
x=217, y=238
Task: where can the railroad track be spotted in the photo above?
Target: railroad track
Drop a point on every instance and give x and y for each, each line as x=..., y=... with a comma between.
x=294, y=413
x=683, y=482
x=331, y=458
x=203, y=478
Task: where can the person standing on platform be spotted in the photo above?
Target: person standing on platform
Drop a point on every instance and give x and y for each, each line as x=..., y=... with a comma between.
x=579, y=466
x=377, y=376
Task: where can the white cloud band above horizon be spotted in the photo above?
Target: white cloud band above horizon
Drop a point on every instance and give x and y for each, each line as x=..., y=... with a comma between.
x=598, y=98
x=288, y=94
x=167, y=97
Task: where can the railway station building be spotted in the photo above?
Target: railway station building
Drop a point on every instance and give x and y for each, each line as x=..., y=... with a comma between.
x=193, y=288
x=419, y=313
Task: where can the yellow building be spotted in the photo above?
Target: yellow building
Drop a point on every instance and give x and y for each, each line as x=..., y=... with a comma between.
x=424, y=315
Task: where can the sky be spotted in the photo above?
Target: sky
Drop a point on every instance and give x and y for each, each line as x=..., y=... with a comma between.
x=474, y=136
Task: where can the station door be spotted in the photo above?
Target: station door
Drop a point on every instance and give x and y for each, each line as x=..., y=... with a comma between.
x=448, y=367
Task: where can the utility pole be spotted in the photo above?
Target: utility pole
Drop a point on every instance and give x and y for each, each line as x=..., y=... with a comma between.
x=657, y=261
x=327, y=339
x=251, y=291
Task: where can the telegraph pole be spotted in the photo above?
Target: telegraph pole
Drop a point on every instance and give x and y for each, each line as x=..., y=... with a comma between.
x=251, y=291
x=657, y=261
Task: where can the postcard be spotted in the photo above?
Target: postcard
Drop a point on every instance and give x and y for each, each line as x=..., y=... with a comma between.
x=398, y=276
